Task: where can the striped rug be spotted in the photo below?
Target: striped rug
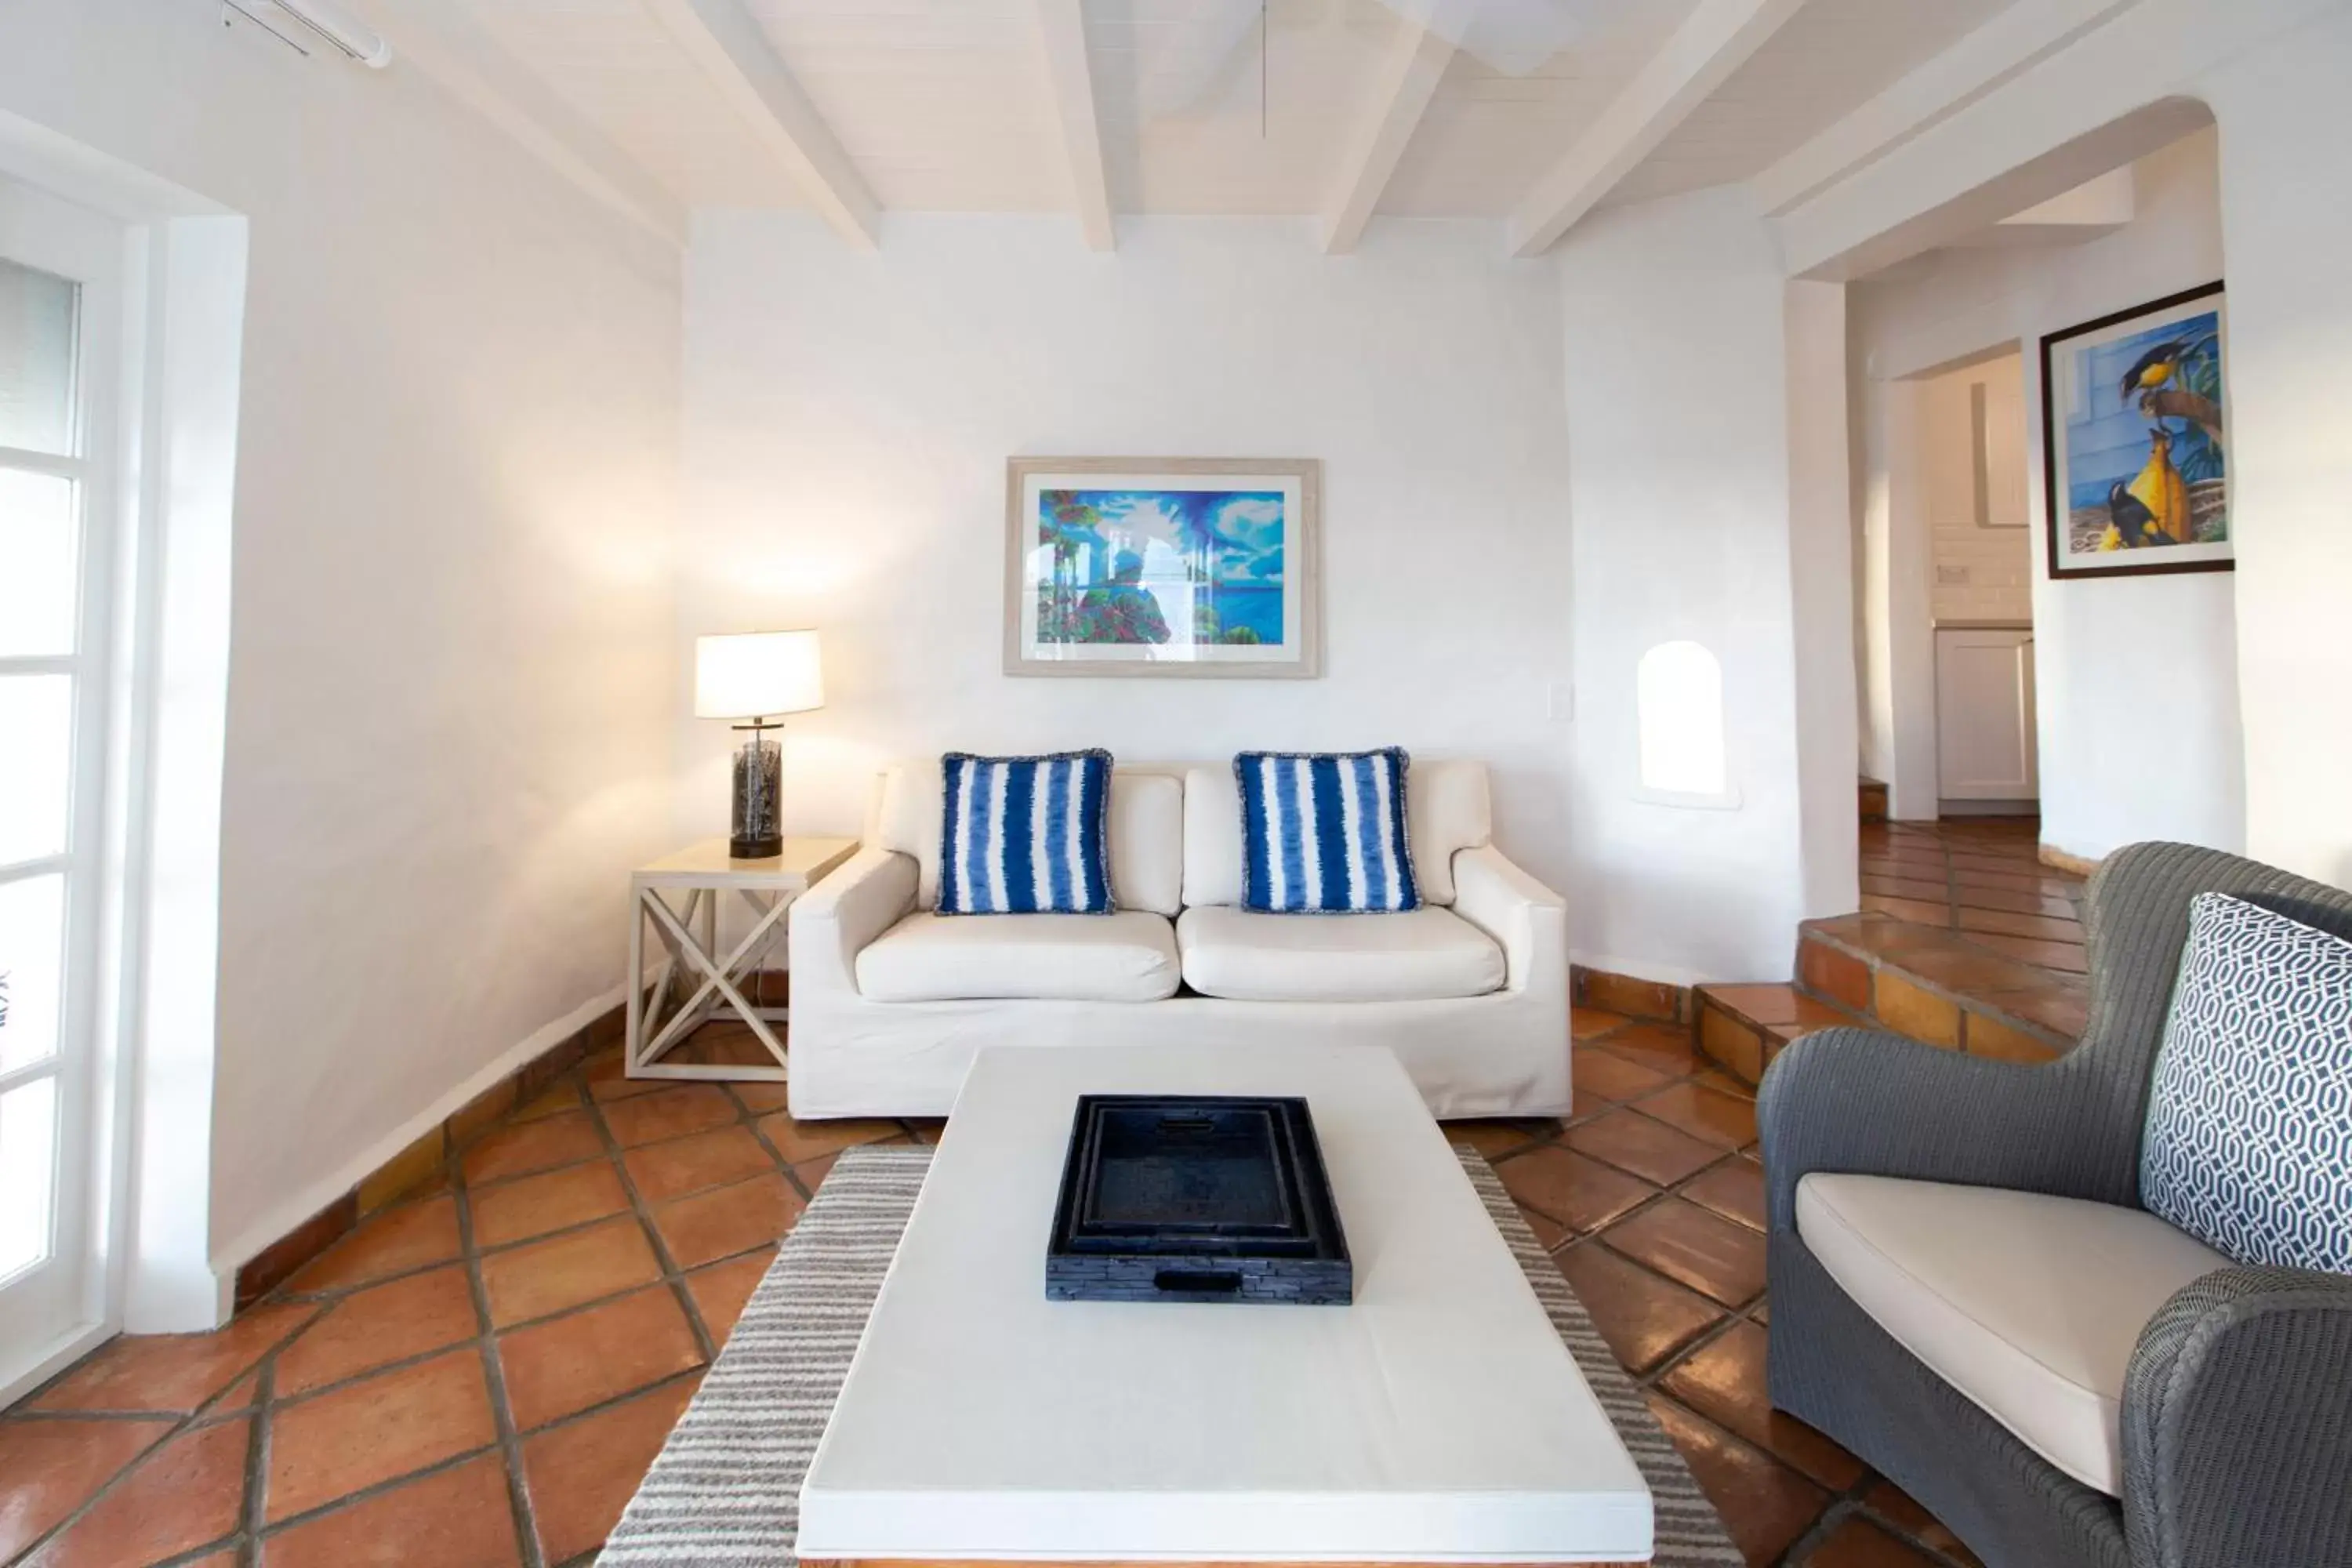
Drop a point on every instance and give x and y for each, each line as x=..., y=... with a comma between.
x=726, y=1488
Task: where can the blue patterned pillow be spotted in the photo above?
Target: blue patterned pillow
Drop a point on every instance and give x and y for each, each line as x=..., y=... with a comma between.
x=1026, y=836
x=2249, y=1141
x=1324, y=833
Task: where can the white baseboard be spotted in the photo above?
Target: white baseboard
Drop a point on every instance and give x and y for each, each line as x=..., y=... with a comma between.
x=299, y=1205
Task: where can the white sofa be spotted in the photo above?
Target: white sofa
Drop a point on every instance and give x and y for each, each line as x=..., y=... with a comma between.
x=890, y=1001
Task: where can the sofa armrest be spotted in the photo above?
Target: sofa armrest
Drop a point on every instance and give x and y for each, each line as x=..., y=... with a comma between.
x=1869, y=1103
x=1526, y=920
x=2237, y=1423
x=832, y=922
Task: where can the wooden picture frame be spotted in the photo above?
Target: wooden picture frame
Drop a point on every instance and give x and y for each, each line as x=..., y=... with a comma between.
x=1199, y=568
x=2134, y=440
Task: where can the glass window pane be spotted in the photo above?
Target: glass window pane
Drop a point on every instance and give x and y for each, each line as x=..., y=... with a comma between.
x=28, y=1174
x=37, y=359
x=39, y=563
x=32, y=950
x=37, y=737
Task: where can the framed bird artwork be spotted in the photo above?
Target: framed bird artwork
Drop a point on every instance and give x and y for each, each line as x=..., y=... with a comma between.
x=2135, y=429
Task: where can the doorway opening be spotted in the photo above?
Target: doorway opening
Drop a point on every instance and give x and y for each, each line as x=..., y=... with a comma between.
x=60, y=311
x=1980, y=604
x=2099, y=707
x=122, y=324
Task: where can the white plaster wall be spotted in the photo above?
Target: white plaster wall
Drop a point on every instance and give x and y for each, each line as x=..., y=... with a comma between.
x=1677, y=390
x=2136, y=678
x=848, y=417
x=451, y=657
x=2286, y=145
x=1822, y=576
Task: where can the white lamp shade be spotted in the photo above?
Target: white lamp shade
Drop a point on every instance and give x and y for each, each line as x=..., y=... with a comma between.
x=753, y=675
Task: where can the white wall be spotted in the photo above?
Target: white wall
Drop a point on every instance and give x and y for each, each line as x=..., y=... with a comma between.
x=2136, y=678
x=848, y=417
x=1984, y=570
x=1677, y=399
x=1822, y=594
x=2286, y=145
x=450, y=672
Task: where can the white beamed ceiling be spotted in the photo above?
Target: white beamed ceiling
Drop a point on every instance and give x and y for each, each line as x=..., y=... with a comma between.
x=627, y=77
x=943, y=105
x=1825, y=63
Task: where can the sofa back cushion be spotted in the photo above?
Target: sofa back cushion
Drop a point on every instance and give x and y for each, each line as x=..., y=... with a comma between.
x=2249, y=1140
x=1147, y=832
x=1447, y=811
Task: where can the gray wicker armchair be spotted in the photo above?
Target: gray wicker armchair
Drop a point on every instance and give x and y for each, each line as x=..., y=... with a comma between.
x=2236, y=1407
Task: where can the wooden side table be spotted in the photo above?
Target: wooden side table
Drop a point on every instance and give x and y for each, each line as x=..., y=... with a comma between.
x=688, y=932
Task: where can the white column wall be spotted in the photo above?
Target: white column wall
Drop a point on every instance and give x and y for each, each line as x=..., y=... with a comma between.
x=2286, y=144
x=1677, y=375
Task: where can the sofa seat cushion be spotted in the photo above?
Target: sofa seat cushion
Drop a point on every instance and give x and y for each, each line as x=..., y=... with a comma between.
x=2029, y=1305
x=1422, y=955
x=1129, y=956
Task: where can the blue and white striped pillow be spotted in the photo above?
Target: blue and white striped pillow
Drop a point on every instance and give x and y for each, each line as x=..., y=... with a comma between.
x=1324, y=833
x=1026, y=835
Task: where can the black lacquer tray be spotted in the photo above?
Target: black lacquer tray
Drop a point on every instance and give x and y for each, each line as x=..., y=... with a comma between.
x=1196, y=1198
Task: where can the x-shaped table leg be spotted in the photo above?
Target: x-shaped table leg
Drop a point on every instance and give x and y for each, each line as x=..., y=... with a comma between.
x=718, y=976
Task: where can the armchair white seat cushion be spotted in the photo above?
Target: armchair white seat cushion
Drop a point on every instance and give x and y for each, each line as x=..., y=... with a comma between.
x=2028, y=1304
x=1129, y=956
x=1420, y=955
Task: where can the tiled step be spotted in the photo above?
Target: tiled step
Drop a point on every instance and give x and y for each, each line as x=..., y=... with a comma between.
x=1938, y=986
x=1871, y=970
x=1872, y=799
x=1742, y=1028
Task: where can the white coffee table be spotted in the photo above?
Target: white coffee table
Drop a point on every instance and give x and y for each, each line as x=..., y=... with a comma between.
x=1439, y=1419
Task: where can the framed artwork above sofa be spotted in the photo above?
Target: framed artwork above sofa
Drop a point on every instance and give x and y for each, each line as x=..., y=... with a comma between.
x=1169, y=566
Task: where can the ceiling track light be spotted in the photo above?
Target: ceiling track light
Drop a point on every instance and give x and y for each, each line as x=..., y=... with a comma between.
x=299, y=23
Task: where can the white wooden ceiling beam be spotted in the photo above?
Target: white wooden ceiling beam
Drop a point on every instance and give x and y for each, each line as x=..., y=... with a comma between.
x=721, y=37
x=444, y=41
x=1070, y=79
x=1416, y=63
x=2014, y=41
x=1715, y=40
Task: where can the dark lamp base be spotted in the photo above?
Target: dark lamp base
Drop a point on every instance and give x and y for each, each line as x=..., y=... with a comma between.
x=756, y=824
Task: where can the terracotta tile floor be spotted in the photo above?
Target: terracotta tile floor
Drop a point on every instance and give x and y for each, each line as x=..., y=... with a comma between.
x=1979, y=878
x=479, y=1377
x=1652, y=1200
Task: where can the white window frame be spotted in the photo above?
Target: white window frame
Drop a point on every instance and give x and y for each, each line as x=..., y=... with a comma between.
x=59, y=1308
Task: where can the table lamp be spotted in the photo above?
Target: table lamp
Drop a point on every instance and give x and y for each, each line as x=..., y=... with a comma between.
x=758, y=676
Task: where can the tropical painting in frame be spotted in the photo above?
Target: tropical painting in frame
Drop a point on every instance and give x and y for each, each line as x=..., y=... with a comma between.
x=1174, y=566
x=2134, y=411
